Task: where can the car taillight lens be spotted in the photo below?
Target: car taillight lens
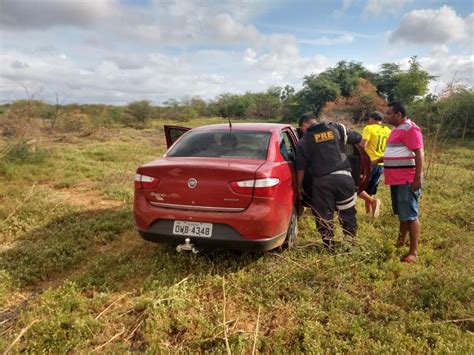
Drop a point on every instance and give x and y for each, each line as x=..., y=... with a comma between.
x=260, y=187
x=145, y=182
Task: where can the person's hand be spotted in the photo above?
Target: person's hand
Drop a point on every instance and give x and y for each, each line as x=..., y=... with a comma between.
x=300, y=193
x=416, y=184
x=376, y=161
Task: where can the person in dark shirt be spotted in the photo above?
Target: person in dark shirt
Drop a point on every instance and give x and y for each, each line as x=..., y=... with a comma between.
x=321, y=152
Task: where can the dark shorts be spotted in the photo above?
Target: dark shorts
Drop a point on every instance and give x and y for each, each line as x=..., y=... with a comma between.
x=405, y=202
x=375, y=177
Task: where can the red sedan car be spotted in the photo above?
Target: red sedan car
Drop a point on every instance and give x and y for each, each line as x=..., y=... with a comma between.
x=224, y=185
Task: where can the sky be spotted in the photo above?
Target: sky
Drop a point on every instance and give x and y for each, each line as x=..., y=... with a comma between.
x=118, y=51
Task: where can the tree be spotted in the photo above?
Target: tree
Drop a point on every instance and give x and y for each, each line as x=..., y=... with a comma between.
x=229, y=105
x=289, y=104
x=346, y=75
x=405, y=86
x=138, y=113
x=412, y=83
x=274, y=91
x=387, y=79
x=317, y=91
x=52, y=113
x=264, y=105
x=198, y=105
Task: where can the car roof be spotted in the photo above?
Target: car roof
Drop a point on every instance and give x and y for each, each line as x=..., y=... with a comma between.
x=260, y=127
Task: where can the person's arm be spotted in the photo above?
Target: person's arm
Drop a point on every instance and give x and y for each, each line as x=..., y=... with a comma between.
x=348, y=135
x=413, y=140
x=299, y=179
x=363, y=143
x=419, y=162
x=300, y=164
x=353, y=137
x=377, y=161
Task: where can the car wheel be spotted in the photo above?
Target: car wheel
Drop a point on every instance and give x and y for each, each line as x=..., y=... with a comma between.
x=292, y=231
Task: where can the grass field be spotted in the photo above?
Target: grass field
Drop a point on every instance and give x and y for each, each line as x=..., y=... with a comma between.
x=76, y=277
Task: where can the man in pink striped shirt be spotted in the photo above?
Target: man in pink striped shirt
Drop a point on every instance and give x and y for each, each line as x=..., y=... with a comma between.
x=403, y=165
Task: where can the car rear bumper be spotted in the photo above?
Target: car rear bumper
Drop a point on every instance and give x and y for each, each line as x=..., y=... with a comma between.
x=223, y=236
x=263, y=219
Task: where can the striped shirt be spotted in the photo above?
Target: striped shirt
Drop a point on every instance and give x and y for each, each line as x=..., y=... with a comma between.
x=399, y=156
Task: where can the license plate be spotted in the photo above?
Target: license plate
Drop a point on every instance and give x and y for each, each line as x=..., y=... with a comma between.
x=192, y=229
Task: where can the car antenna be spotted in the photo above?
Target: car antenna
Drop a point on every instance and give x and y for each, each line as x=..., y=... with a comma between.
x=230, y=125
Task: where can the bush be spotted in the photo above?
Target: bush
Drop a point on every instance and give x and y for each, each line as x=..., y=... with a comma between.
x=264, y=106
x=18, y=121
x=448, y=116
x=25, y=153
x=188, y=113
x=114, y=113
x=138, y=114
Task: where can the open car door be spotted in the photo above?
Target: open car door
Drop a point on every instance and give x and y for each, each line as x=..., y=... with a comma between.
x=361, y=166
x=172, y=133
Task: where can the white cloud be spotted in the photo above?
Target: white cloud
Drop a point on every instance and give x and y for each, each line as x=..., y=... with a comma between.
x=346, y=4
x=449, y=69
x=469, y=21
x=225, y=28
x=29, y=14
x=250, y=56
x=156, y=23
x=122, y=78
x=329, y=41
x=378, y=7
x=16, y=64
x=108, y=51
x=284, y=67
x=430, y=26
x=440, y=49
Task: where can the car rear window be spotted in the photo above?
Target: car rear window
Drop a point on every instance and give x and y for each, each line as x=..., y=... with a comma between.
x=222, y=144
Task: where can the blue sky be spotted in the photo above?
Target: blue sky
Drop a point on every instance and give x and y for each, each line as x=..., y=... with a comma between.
x=117, y=51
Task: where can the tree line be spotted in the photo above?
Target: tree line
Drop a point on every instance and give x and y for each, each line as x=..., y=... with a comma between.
x=286, y=103
x=349, y=89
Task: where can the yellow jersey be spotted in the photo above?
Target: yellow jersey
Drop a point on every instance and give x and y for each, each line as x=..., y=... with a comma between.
x=376, y=136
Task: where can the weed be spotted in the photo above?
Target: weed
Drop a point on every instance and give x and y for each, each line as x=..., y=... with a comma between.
x=26, y=153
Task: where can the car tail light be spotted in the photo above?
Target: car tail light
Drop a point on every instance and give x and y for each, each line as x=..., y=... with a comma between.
x=260, y=187
x=145, y=182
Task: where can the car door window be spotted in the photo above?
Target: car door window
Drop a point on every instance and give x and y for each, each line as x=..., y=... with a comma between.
x=172, y=133
x=287, y=147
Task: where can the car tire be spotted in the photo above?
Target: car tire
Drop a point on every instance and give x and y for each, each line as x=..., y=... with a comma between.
x=292, y=232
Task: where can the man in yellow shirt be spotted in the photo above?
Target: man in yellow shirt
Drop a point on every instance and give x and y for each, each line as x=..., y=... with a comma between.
x=374, y=139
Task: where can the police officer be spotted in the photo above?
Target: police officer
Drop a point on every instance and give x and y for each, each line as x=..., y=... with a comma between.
x=321, y=152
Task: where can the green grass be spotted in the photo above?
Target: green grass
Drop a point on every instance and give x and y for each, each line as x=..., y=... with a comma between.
x=73, y=268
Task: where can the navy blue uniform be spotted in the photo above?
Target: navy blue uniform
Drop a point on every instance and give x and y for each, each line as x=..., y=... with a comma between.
x=321, y=152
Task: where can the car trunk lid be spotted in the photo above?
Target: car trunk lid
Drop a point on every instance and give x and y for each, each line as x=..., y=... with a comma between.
x=199, y=183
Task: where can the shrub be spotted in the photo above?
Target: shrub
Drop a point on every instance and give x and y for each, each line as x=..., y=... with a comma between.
x=188, y=114
x=114, y=113
x=25, y=152
x=18, y=120
x=137, y=114
x=448, y=116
